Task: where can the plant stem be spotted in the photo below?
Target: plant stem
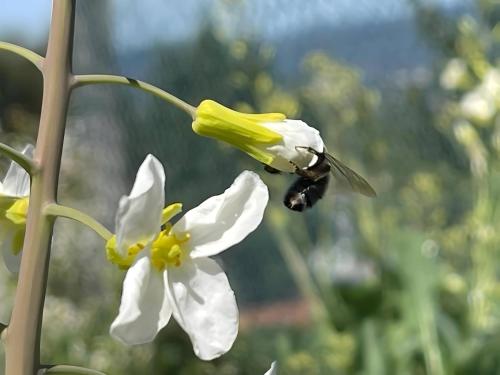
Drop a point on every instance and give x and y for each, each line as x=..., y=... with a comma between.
x=298, y=267
x=66, y=369
x=25, y=162
x=54, y=209
x=29, y=55
x=22, y=342
x=90, y=79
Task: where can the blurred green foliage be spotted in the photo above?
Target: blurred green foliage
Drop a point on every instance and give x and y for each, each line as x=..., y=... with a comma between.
x=406, y=283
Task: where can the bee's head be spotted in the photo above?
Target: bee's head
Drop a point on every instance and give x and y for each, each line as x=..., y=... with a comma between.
x=295, y=201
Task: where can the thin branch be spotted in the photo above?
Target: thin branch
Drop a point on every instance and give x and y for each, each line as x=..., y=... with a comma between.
x=92, y=79
x=25, y=162
x=67, y=369
x=54, y=209
x=29, y=55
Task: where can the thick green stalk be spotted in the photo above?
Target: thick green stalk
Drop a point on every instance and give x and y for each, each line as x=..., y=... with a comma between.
x=22, y=342
x=92, y=79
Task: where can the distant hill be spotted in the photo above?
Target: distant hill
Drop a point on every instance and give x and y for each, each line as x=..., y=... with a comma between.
x=378, y=49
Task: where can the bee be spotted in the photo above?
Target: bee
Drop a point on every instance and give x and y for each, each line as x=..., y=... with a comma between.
x=313, y=181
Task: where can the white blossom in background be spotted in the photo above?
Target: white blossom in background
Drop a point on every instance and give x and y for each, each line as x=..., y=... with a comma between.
x=454, y=75
x=482, y=103
x=169, y=269
x=14, y=200
x=273, y=370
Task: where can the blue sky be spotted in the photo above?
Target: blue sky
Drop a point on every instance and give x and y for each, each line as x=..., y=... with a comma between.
x=138, y=22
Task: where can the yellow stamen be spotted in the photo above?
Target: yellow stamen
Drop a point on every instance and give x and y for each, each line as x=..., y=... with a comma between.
x=167, y=249
x=123, y=262
x=18, y=210
x=170, y=211
x=242, y=130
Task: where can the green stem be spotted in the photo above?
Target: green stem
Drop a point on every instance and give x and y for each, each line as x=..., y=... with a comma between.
x=66, y=369
x=297, y=266
x=91, y=79
x=55, y=209
x=29, y=55
x=25, y=162
x=22, y=337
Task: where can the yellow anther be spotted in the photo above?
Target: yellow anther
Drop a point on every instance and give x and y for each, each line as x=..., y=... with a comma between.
x=18, y=210
x=115, y=257
x=167, y=250
x=170, y=211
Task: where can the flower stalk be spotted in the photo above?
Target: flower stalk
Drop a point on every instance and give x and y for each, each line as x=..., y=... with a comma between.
x=24, y=161
x=29, y=55
x=55, y=209
x=92, y=79
x=22, y=341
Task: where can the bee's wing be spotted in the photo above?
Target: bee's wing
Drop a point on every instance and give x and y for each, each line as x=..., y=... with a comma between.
x=343, y=172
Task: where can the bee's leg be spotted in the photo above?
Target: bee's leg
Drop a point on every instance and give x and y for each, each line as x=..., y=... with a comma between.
x=271, y=170
x=309, y=174
x=308, y=149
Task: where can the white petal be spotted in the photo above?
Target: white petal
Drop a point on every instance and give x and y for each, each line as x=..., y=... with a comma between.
x=224, y=220
x=7, y=234
x=17, y=181
x=204, y=306
x=139, y=214
x=273, y=370
x=295, y=133
x=144, y=308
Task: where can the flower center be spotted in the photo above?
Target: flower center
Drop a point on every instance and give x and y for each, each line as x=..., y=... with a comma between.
x=167, y=249
x=18, y=210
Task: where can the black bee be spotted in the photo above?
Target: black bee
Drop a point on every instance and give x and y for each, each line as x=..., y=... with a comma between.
x=313, y=181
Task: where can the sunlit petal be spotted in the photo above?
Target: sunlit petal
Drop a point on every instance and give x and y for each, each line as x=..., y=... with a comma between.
x=144, y=308
x=17, y=181
x=139, y=214
x=224, y=220
x=295, y=133
x=204, y=306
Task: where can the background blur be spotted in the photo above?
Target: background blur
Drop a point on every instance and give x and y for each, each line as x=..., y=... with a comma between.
x=405, y=92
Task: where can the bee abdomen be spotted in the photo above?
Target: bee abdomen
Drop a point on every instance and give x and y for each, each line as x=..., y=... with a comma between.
x=304, y=193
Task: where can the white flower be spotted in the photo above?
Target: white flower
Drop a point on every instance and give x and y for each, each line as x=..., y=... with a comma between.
x=482, y=103
x=268, y=137
x=273, y=370
x=169, y=269
x=14, y=198
x=454, y=74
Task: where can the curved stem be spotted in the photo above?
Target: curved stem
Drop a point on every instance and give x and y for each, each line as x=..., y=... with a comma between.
x=29, y=55
x=55, y=209
x=92, y=79
x=25, y=162
x=66, y=369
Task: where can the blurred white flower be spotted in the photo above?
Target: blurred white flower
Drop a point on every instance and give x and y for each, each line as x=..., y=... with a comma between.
x=169, y=272
x=273, y=370
x=268, y=137
x=482, y=103
x=14, y=199
x=454, y=74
